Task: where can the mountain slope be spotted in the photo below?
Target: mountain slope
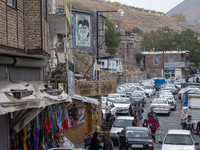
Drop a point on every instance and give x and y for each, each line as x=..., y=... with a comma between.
x=189, y=8
x=143, y=20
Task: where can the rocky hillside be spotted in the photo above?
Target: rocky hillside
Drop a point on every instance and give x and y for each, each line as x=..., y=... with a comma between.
x=189, y=8
x=144, y=20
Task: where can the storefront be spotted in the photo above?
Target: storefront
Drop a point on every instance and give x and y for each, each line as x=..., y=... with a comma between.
x=33, y=115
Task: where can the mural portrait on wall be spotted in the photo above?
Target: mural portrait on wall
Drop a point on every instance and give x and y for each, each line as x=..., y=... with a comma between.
x=83, y=30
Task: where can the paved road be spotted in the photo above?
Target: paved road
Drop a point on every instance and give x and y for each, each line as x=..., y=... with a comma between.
x=166, y=122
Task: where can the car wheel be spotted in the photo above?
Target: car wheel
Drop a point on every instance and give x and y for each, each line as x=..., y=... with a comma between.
x=168, y=114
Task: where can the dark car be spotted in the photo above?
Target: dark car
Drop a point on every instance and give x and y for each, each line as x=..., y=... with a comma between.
x=139, y=138
x=138, y=97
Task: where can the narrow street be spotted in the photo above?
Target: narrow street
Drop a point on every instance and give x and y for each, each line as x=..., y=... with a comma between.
x=166, y=122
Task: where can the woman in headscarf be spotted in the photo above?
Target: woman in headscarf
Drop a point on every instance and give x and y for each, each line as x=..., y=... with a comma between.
x=95, y=144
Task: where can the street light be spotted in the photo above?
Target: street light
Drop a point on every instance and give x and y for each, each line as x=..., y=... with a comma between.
x=97, y=35
x=163, y=52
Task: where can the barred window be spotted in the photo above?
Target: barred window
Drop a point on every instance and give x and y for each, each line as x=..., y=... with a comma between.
x=12, y=3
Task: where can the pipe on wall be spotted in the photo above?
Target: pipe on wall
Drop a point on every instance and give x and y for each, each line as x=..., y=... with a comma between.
x=23, y=62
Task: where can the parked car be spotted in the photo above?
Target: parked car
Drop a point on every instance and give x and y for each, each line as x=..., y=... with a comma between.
x=171, y=100
x=161, y=106
x=149, y=90
x=139, y=138
x=123, y=105
x=111, y=97
x=178, y=140
x=130, y=91
x=113, y=109
x=172, y=88
x=120, y=123
x=137, y=97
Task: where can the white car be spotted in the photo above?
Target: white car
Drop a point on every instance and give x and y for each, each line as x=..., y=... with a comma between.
x=111, y=97
x=123, y=105
x=119, y=124
x=170, y=99
x=161, y=106
x=149, y=90
x=177, y=139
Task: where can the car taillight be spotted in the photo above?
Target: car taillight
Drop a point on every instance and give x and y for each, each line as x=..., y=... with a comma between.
x=150, y=146
x=143, y=99
x=172, y=102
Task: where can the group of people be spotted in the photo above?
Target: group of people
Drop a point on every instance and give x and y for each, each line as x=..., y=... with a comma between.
x=186, y=122
x=101, y=140
x=136, y=109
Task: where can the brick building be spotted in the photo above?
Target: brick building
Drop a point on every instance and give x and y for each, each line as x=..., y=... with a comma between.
x=24, y=26
x=24, y=41
x=172, y=62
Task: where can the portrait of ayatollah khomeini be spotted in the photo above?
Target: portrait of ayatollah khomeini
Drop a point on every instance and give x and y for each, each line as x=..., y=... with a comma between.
x=83, y=32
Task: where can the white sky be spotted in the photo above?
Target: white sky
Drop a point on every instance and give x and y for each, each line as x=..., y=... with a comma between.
x=157, y=5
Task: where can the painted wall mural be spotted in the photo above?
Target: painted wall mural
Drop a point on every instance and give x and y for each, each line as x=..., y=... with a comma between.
x=83, y=36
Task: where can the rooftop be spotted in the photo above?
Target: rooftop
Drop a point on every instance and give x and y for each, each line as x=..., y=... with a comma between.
x=166, y=52
x=179, y=131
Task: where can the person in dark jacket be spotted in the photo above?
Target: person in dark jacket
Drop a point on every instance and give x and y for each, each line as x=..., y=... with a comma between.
x=95, y=144
x=145, y=123
x=123, y=141
x=107, y=142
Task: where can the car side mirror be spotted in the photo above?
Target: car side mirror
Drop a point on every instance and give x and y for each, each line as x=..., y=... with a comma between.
x=160, y=142
x=196, y=143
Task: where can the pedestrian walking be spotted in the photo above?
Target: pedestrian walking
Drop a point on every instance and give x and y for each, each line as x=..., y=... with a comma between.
x=107, y=142
x=107, y=111
x=197, y=80
x=151, y=112
x=95, y=144
x=198, y=128
x=135, y=122
x=189, y=124
x=133, y=109
x=123, y=140
x=153, y=124
x=184, y=116
x=145, y=123
x=139, y=110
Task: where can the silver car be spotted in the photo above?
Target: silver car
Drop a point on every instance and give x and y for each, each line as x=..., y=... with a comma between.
x=161, y=106
x=120, y=123
x=170, y=99
x=123, y=105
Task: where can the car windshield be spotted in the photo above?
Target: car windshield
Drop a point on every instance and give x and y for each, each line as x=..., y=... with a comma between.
x=148, y=87
x=113, y=96
x=137, y=95
x=167, y=96
x=122, y=100
x=178, y=139
x=122, y=123
x=159, y=101
x=136, y=134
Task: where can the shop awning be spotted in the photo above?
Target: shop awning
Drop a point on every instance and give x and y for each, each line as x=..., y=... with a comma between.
x=15, y=96
x=85, y=99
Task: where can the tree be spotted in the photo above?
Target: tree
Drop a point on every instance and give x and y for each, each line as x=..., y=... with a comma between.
x=112, y=37
x=179, y=17
x=167, y=39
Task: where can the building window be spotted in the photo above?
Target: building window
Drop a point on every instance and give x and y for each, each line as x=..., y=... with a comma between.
x=171, y=58
x=12, y=3
x=156, y=60
x=117, y=62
